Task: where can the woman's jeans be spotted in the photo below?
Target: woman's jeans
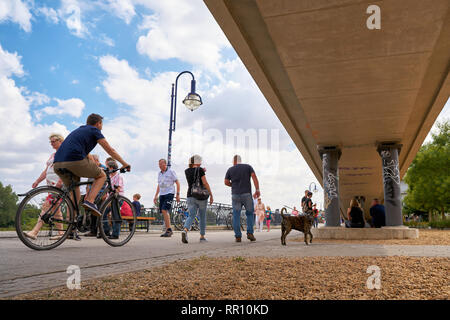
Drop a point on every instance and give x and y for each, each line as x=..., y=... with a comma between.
x=195, y=206
x=239, y=200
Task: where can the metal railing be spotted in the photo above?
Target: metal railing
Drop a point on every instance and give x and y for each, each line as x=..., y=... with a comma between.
x=218, y=214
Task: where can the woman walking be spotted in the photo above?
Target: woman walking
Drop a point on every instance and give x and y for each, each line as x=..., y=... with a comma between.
x=268, y=218
x=195, y=206
x=259, y=212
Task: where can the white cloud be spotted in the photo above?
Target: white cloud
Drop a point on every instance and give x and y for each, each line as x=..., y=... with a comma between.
x=50, y=14
x=123, y=84
x=72, y=107
x=10, y=64
x=107, y=40
x=183, y=30
x=124, y=9
x=71, y=13
x=37, y=98
x=16, y=11
x=24, y=144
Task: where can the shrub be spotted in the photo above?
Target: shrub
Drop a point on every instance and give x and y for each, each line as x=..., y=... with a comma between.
x=440, y=224
x=417, y=224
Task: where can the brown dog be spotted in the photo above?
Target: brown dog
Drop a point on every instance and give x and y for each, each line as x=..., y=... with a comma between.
x=300, y=223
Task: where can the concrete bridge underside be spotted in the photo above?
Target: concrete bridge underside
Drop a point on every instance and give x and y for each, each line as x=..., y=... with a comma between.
x=333, y=82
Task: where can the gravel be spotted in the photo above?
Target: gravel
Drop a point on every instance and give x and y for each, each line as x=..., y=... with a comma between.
x=256, y=278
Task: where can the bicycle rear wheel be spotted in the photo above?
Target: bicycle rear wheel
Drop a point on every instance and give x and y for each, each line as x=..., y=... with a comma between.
x=44, y=218
x=118, y=220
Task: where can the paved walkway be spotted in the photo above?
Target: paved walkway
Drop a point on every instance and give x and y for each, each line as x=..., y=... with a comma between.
x=24, y=270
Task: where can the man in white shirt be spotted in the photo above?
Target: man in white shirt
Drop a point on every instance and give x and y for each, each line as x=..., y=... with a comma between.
x=166, y=180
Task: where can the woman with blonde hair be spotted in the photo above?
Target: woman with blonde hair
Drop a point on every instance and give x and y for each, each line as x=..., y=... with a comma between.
x=355, y=215
x=260, y=210
x=52, y=179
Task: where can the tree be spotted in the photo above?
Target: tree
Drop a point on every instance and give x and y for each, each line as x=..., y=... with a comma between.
x=428, y=177
x=8, y=206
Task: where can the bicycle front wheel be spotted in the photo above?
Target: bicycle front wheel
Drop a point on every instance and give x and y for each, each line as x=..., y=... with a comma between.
x=177, y=222
x=44, y=218
x=118, y=220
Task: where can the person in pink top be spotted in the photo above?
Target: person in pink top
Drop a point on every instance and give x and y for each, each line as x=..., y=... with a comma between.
x=295, y=212
x=259, y=212
x=52, y=179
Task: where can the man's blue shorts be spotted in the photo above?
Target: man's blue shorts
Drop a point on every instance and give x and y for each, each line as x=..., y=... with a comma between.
x=165, y=202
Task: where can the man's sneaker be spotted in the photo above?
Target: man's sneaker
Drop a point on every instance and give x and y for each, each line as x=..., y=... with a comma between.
x=91, y=206
x=113, y=237
x=251, y=237
x=74, y=237
x=184, y=237
x=238, y=239
x=167, y=234
x=203, y=240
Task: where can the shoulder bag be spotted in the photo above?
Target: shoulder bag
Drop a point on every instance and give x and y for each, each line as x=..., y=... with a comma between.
x=199, y=191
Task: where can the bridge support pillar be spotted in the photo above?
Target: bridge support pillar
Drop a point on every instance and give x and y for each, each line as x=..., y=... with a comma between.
x=389, y=153
x=330, y=157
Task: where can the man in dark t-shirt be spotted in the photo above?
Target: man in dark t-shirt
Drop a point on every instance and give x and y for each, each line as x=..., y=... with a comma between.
x=238, y=178
x=73, y=154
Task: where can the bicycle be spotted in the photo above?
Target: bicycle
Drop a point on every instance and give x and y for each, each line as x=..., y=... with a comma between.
x=56, y=213
x=229, y=221
x=180, y=218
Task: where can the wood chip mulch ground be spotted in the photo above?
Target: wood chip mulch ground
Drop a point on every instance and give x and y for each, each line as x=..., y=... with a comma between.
x=271, y=278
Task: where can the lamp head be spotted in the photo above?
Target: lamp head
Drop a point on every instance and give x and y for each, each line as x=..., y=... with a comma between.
x=192, y=100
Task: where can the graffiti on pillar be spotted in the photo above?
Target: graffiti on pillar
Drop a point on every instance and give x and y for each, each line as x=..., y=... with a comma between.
x=391, y=176
x=330, y=182
x=390, y=171
x=330, y=189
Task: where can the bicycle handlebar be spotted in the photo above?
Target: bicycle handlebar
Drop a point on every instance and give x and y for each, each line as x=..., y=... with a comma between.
x=122, y=170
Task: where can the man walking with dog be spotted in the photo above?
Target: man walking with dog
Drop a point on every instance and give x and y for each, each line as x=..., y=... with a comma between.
x=238, y=178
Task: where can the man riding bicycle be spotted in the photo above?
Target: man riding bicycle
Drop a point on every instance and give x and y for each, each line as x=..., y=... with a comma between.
x=73, y=153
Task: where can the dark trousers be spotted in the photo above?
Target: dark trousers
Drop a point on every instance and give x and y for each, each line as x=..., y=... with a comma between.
x=349, y=224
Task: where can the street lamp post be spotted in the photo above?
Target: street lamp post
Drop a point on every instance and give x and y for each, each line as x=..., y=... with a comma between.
x=192, y=102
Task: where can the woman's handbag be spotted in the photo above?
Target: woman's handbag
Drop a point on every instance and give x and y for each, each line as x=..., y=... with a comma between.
x=198, y=191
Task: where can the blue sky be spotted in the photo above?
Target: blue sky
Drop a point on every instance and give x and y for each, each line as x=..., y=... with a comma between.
x=62, y=60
